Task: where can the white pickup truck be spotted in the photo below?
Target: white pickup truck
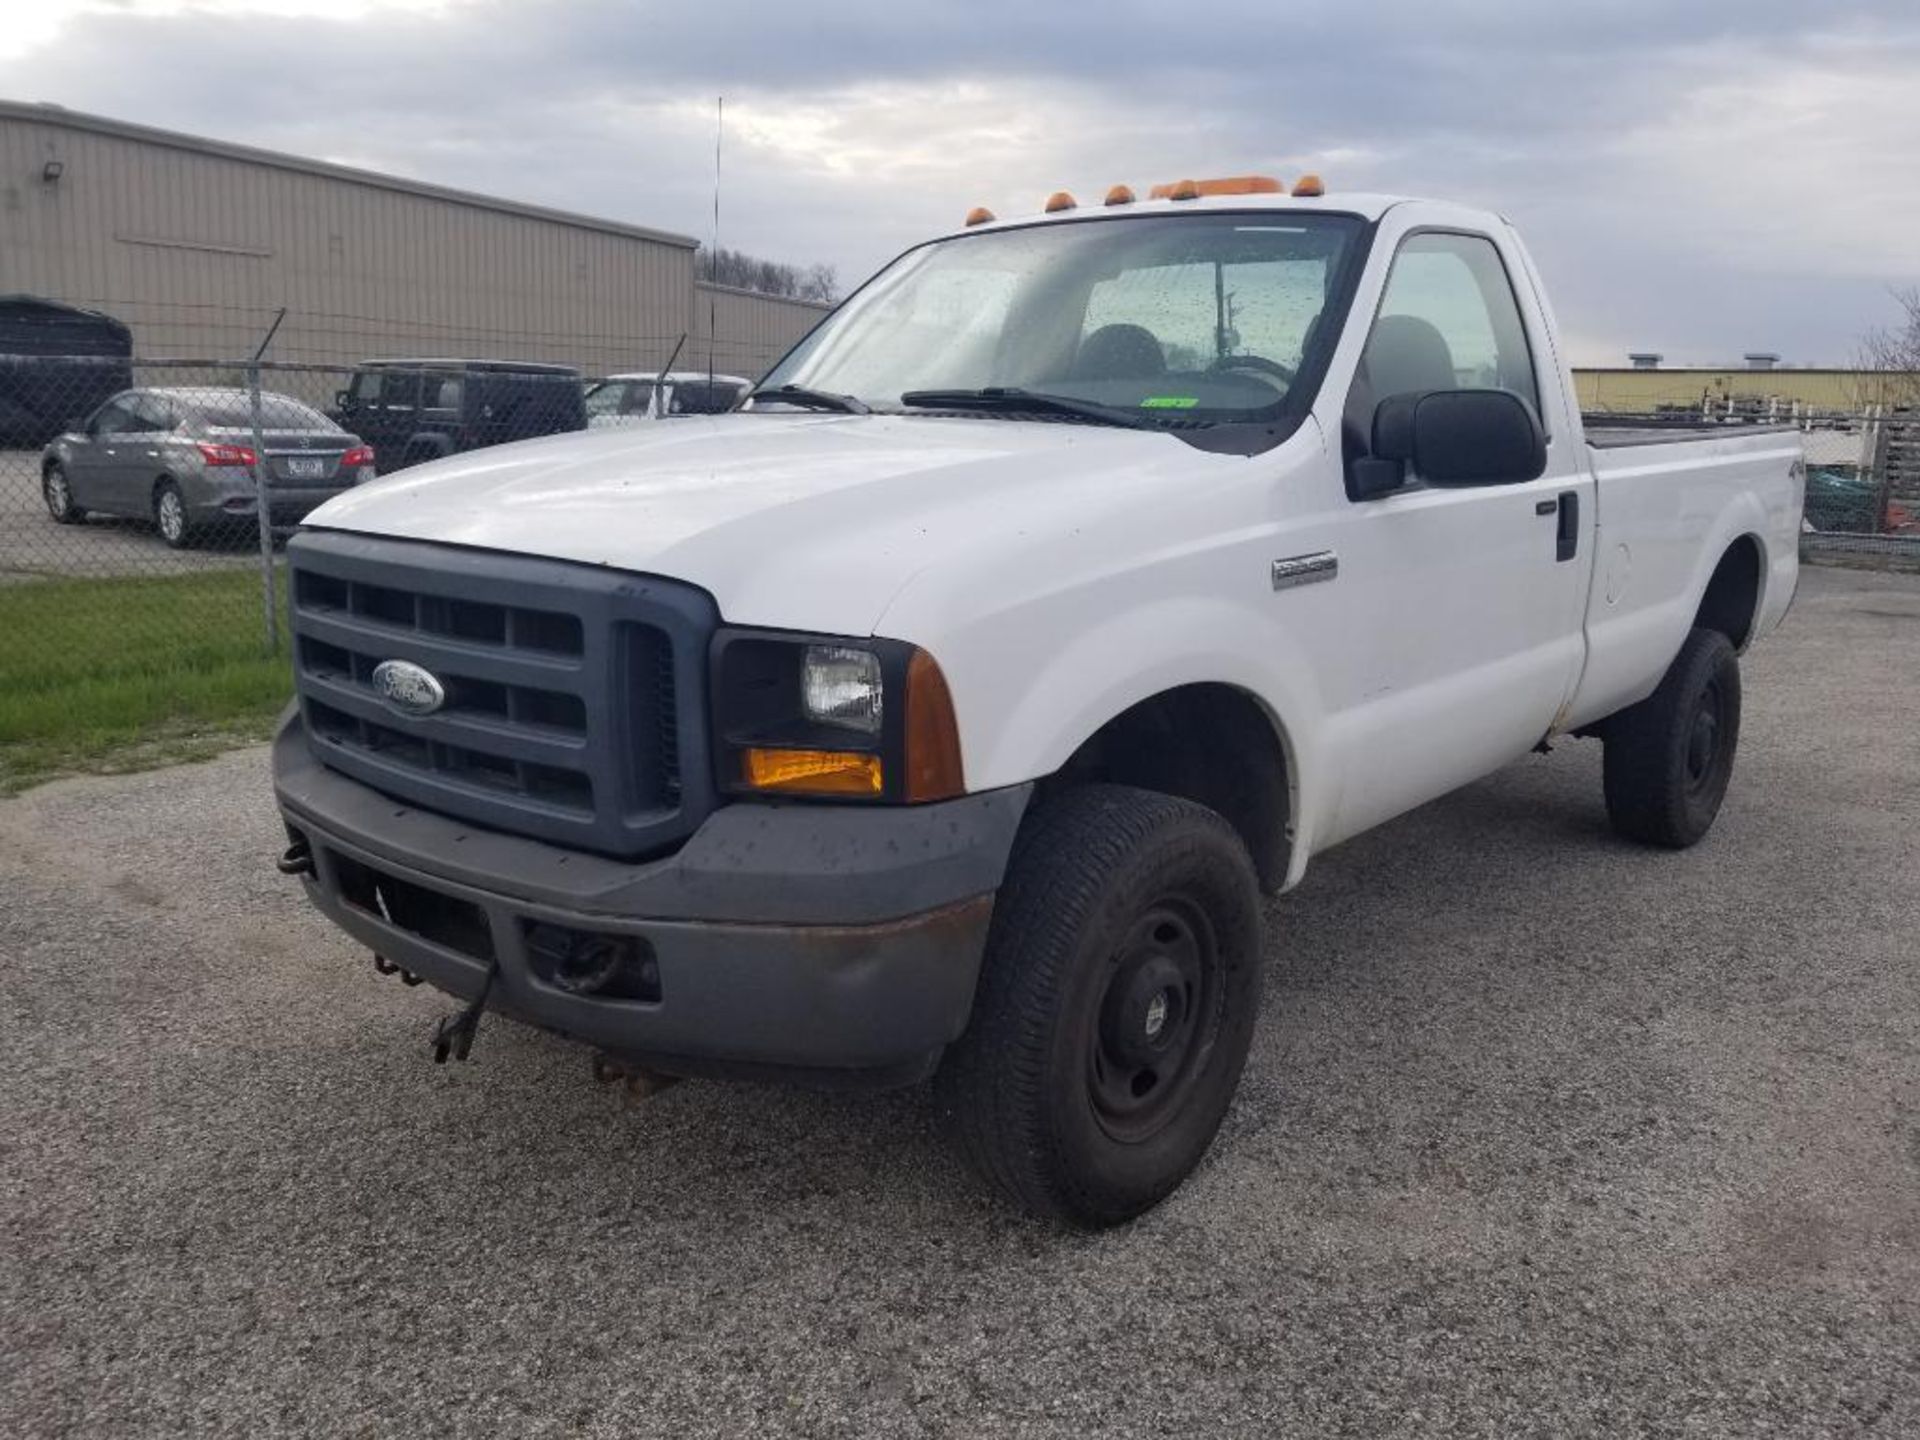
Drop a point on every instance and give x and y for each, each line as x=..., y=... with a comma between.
x=944, y=712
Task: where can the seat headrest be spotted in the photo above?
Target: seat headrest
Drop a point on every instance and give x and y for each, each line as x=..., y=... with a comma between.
x=1119, y=352
x=1407, y=353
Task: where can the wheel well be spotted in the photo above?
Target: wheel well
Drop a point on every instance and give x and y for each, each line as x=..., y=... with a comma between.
x=1733, y=594
x=1211, y=744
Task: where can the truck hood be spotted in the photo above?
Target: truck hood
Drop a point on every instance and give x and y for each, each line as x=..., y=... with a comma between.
x=803, y=521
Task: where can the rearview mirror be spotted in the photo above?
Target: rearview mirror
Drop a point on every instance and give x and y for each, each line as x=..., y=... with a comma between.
x=1461, y=437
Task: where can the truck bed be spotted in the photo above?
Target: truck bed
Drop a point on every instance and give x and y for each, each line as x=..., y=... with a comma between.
x=1616, y=432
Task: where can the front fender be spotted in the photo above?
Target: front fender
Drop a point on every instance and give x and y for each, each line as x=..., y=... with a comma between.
x=1177, y=641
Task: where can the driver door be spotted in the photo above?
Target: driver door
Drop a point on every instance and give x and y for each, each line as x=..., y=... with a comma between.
x=1469, y=596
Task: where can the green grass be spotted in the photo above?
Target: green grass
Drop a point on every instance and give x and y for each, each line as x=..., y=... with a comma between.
x=125, y=674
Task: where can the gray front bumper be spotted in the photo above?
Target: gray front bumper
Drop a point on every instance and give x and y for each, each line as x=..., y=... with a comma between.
x=826, y=940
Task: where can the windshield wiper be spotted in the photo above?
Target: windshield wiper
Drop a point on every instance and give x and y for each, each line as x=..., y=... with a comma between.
x=812, y=399
x=1011, y=400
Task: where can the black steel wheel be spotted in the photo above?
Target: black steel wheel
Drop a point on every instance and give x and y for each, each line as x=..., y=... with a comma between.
x=1670, y=758
x=1116, y=1005
x=1156, y=1021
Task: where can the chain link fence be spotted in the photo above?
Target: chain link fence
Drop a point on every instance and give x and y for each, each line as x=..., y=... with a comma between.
x=144, y=502
x=1863, y=472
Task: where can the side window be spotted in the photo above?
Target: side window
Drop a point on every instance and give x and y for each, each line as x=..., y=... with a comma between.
x=151, y=414
x=1449, y=321
x=389, y=389
x=443, y=392
x=607, y=398
x=114, y=418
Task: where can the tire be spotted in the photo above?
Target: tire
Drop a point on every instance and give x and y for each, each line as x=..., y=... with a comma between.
x=1669, y=758
x=59, y=495
x=1124, y=953
x=170, y=516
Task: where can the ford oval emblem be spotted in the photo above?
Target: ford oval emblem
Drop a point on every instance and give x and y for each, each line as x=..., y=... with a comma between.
x=408, y=688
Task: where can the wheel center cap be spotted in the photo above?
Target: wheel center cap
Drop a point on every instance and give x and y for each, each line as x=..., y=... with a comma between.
x=1156, y=1020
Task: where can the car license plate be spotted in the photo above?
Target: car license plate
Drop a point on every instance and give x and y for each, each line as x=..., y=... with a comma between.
x=307, y=467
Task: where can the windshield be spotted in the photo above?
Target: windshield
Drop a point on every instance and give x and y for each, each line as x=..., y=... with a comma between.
x=1192, y=318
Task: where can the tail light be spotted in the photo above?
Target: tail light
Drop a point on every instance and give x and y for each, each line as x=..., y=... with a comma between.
x=227, y=455
x=356, y=457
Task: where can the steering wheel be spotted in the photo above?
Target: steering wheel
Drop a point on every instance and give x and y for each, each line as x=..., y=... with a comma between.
x=1254, y=362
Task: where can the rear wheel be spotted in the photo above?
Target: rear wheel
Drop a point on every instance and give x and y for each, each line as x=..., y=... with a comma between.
x=170, y=516
x=58, y=494
x=1116, y=1006
x=1669, y=759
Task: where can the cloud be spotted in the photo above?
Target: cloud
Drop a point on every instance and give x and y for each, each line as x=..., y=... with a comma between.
x=1702, y=179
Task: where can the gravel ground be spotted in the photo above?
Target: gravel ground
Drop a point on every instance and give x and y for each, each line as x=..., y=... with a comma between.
x=1542, y=1134
x=32, y=545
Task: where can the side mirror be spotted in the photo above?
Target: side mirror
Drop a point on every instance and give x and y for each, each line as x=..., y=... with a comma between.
x=343, y=399
x=1459, y=437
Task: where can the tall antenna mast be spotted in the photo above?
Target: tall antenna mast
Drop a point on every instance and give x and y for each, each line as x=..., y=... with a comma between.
x=719, y=129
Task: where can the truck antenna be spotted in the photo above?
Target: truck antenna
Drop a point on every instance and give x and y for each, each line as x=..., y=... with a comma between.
x=719, y=130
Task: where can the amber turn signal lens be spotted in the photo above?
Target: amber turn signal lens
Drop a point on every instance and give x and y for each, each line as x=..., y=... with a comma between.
x=1309, y=187
x=1223, y=185
x=813, y=772
x=979, y=215
x=933, y=736
x=1120, y=195
x=1060, y=200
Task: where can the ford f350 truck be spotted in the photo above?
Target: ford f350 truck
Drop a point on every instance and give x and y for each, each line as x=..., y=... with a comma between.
x=945, y=712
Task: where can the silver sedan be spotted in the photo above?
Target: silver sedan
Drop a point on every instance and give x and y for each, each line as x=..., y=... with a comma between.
x=184, y=458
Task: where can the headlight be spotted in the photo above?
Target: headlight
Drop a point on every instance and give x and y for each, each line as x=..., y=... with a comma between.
x=841, y=686
x=823, y=717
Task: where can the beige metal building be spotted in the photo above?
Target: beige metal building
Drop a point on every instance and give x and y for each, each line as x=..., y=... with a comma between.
x=197, y=244
x=749, y=331
x=1787, y=392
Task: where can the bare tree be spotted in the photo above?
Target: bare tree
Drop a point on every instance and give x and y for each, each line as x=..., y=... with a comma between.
x=1891, y=355
x=768, y=277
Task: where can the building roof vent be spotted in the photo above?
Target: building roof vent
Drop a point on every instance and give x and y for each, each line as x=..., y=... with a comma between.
x=1645, y=359
x=1761, y=359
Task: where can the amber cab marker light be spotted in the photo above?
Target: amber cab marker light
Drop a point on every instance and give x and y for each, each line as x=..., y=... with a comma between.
x=1060, y=200
x=934, y=770
x=1310, y=187
x=1222, y=185
x=813, y=772
x=1120, y=195
x=979, y=215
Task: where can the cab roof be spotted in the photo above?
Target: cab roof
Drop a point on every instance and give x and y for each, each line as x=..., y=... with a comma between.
x=1366, y=206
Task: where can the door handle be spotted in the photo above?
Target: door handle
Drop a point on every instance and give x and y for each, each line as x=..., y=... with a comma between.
x=1567, y=537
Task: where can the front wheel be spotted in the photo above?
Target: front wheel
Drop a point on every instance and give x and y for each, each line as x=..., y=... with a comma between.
x=1116, y=1006
x=1669, y=759
x=58, y=494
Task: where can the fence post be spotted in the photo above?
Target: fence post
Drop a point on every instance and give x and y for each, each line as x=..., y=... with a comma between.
x=269, y=612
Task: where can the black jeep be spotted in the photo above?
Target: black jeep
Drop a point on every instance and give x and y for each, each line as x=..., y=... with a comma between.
x=416, y=410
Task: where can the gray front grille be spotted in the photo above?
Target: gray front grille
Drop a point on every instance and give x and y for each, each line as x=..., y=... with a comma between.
x=565, y=715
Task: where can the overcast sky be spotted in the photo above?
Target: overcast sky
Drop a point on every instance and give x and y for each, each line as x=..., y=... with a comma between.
x=1698, y=178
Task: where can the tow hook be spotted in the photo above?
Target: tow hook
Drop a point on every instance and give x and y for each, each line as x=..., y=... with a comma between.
x=386, y=967
x=641, y=1082
x=297, y=861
